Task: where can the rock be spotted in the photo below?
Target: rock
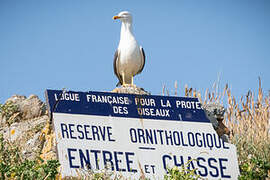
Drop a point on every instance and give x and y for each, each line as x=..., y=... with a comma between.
x=49, y=150
x=2, y=120
x=25, y=135
x=22, y=124
x=16, y=98
x=30, y=107
x=130, y=89
x=215, y=109
x=215, y=113
x=9, y=113
x=32, y=147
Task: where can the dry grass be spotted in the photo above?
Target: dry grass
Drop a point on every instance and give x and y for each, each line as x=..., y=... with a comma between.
x=249, y=122
x=250, y=117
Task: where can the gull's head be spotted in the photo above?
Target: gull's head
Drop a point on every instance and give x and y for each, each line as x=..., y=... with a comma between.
x=124, y=16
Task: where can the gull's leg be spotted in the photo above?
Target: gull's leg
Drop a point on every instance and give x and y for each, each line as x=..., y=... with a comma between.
x=124, y=80
x=132, y=84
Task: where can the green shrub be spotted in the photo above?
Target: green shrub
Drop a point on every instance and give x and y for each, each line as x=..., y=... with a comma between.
x=12, y=166
x=256, y=168
x=7, y=110
x=184, y=173
x=254, y=159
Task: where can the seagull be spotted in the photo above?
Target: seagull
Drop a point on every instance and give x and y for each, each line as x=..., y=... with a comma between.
x=129, y=58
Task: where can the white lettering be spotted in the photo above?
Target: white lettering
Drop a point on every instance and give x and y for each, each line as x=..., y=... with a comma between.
x=107, y=99
x=120, y=110
x=188, y=104
x=68, y=97
x=153, y=112
x=168, y=104
x=145, y=102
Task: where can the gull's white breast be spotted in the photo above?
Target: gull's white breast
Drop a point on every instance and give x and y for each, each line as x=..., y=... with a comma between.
x=130, y=58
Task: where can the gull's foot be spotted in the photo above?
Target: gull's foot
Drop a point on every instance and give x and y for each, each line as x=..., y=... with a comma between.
x=133, y=85
x=130, y=89
x=129, y=85
x=125, y=85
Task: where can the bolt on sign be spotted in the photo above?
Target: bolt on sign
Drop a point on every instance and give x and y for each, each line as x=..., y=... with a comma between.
x=127, y=134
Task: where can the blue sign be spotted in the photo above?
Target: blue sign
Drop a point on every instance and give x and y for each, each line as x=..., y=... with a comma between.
x=126, y=105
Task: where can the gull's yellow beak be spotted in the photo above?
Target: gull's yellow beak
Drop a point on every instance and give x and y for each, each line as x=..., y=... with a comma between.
x=116, y=17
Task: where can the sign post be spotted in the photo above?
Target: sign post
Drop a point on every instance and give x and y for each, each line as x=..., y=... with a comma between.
x=127, y=134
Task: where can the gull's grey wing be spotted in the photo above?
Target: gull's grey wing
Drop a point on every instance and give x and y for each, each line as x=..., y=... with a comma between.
x=115, y=67
x=143, y=59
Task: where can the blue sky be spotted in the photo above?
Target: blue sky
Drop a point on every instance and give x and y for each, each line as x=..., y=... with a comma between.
x=70, y=44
